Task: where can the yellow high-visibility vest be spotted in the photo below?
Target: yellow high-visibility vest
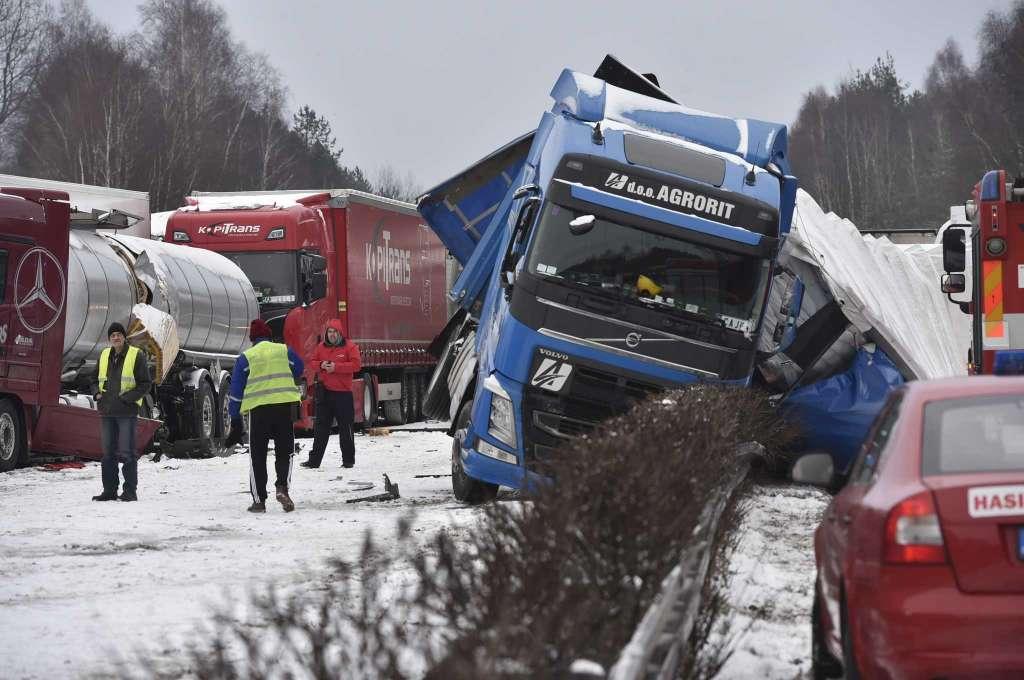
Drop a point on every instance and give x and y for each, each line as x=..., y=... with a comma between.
x=127, y=371
x=270, y=378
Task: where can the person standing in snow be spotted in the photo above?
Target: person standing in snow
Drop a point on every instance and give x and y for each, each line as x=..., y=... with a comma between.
x=336, y=359
x=122, y=381
x=263, y=385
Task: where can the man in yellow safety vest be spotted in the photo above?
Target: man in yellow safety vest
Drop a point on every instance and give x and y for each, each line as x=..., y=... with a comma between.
x=263, y=385
x=122, y=381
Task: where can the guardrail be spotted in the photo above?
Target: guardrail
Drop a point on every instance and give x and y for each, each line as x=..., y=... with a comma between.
x=655, y=650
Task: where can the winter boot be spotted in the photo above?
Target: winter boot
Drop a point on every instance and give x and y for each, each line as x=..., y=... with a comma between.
x=106, y=496
x=258, y=507
x=128, y=496
x=284, y=500
x=308, y=464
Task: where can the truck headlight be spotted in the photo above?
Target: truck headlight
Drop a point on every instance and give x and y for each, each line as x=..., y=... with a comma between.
x=501, y=424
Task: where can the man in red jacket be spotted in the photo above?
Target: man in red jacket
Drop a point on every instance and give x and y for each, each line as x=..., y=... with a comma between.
x=336, y=360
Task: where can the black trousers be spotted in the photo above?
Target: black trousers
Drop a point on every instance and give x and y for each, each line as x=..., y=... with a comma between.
x=331, y=406
x=266, y=423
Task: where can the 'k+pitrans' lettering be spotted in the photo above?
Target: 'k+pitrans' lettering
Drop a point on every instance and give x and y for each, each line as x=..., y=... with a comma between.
x=387, y=264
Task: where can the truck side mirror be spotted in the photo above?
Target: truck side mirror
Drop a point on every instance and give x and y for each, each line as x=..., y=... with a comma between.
x=954, y=250
x=527, y=211
x=953, y=283
x=315, y=288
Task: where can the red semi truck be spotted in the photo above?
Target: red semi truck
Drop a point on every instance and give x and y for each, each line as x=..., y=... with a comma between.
x=35, y=413
x=317, y=255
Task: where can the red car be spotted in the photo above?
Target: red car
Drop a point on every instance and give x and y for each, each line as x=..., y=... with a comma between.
x=920, y=556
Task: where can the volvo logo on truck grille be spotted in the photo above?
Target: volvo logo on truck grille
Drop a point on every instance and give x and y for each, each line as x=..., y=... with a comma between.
x=633, y=340
x=551, y=375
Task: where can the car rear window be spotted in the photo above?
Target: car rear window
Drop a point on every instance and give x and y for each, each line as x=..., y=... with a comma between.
x=976, y=434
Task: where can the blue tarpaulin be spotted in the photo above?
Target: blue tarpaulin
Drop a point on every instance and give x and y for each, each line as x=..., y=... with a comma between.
x=834, y=414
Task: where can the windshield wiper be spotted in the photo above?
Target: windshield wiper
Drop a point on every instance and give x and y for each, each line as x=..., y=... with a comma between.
x=666, y=306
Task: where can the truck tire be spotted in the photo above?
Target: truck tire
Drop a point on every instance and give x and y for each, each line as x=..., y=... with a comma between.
x=205, y=416
x=369, y=401
x=223, y=398
x=409, y=397
x=420, y=384
x=13, y=443
x=394, y=409
x=466, y=489
x=436, y=399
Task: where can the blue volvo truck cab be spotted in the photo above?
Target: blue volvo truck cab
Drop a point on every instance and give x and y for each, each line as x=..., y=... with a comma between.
x=624, y=247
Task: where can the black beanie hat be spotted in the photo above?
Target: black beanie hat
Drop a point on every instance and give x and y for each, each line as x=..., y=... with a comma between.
x=116, y=328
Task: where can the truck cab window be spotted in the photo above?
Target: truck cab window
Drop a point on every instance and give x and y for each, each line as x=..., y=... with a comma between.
x=274, y=275
x=639, y=267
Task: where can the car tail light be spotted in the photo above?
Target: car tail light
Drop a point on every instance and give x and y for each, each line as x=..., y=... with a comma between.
x=912, y=532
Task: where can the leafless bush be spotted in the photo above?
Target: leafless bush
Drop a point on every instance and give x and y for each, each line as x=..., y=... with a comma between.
x=566, y=574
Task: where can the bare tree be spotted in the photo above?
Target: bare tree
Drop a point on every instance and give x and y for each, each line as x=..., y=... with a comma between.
x=391, y=183
x=23, y=55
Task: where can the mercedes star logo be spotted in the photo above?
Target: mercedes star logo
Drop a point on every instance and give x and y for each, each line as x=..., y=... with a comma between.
x=39, y=308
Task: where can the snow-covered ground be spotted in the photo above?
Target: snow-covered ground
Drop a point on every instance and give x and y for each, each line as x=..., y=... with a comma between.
x=83, y=580
x=771, y=582
x=87, y=583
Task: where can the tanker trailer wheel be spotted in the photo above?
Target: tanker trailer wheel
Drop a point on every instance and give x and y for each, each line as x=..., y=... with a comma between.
x=13, y=444
x=224, y=393
x=465, y=488
x=369, y=401
x=206, y=414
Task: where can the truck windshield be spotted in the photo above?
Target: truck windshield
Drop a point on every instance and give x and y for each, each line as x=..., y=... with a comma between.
x=273, y=275
x=648, y=269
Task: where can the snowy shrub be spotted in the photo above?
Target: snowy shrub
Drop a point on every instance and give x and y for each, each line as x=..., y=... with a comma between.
x=567, y=573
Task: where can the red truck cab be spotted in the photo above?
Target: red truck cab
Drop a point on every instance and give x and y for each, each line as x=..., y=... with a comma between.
x=317, y=255
x=34, y=415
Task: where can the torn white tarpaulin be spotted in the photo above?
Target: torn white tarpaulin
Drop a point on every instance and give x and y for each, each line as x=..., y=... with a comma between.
x=888, y=289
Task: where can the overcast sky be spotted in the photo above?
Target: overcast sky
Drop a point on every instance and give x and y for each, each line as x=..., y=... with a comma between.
x=429, y=86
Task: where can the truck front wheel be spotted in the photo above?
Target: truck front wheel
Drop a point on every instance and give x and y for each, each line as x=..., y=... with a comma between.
x=467, y=489
x=13, y=448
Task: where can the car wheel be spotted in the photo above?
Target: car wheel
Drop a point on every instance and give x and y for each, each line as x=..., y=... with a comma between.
x=467, y=489
x=13, y=444
x=823, y=664
x=850, y=670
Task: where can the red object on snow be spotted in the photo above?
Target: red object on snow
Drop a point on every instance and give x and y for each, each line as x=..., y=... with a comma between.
x=54, y=467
